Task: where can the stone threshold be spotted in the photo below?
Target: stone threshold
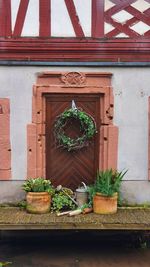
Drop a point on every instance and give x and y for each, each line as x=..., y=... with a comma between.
x=13, y=218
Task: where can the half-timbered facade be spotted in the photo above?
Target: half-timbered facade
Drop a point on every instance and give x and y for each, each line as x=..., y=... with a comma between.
x=95, y=52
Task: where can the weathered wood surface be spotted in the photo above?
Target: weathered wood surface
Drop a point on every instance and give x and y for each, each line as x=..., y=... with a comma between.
x=126, y=219
x=66, y=168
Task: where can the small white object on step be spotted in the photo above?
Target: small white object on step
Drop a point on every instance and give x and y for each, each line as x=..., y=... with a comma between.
x=75, y=212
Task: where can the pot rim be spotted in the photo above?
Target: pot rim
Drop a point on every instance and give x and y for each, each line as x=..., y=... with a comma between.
x=103, y=195
x=38, y=193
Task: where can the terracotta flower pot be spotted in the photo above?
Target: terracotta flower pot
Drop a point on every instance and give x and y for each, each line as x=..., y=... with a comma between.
x=105, y=205
x=38, y=202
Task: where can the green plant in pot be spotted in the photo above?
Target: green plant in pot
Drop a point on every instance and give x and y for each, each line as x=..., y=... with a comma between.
x=38, y=197
x=104, y=193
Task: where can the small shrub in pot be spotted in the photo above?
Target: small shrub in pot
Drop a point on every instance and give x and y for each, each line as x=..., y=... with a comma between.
x=39, y=192
x=105, y=191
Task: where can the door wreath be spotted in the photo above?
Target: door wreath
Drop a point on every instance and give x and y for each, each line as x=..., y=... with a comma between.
x=87, y=129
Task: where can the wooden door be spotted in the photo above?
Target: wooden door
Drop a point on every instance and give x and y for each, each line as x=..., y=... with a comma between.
x=71, y=168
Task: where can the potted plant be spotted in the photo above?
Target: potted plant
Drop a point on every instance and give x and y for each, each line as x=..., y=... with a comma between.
x=38, y=198
x=104, y=193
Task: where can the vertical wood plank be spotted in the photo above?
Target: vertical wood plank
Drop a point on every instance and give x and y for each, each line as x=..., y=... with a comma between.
x=5, y=18
x=97, y=18
x=45, y=18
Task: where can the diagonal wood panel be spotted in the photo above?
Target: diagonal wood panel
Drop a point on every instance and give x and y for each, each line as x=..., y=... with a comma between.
x=71, y=168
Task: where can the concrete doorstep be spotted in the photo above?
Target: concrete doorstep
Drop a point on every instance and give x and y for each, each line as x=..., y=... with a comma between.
x=14, y=218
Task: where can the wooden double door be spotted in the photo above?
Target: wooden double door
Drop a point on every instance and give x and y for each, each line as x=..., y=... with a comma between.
x=71, y=168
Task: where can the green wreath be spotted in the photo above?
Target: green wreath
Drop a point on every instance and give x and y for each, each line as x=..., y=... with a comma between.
x=87, y=128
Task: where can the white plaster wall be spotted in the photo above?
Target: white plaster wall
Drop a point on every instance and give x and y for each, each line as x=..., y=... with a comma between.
x=131, y=90
x=16, y=84
x=61, y=25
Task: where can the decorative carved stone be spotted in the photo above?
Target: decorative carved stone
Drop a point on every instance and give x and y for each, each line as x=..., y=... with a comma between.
x=73, y=79
x=109, y=112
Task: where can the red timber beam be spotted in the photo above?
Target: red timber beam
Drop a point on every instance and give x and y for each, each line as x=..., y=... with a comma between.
x=72, y=49
x=20, y=17
x=74, y=18
x=98, y=18
x=45, y=18
x=5, y=18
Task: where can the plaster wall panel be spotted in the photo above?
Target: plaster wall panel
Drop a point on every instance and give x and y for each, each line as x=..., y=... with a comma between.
x=84, y=11
x=60, y=17
x=131, y=90
x=18, y=89
x=134, y=192
x=14, y=11
x=11, y=192
x=32, y=18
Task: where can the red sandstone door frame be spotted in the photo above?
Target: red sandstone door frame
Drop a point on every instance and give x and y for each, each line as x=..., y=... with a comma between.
x=71, y=83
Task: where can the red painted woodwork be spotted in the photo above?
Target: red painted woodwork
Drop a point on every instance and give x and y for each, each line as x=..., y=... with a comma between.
x=44, y=13
x=97, y=18
x=124, y=28
x=72, y=49
x=98, y=15
x=121, y=28
x=70, y=168
x=74, y=18
x=100, y=47
x=20, y=17
x=5, y=18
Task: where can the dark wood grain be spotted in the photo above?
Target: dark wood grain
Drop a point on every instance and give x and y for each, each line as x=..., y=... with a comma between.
x=70, y=168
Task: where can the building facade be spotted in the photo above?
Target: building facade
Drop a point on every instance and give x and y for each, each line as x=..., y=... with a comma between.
x=96, y=52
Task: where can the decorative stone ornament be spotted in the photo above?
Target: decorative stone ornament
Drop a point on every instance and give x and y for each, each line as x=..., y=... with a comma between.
x=87, y=128
x=73, y=79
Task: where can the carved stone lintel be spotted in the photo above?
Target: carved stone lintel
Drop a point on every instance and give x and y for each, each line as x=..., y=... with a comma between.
x=73, y=79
